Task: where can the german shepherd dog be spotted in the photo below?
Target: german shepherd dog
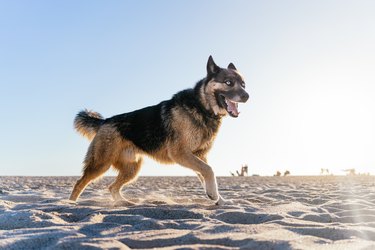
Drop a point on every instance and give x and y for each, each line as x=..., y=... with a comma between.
x=180, y=130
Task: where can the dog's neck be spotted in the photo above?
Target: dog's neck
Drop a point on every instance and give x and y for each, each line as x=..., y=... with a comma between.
x=208, y=100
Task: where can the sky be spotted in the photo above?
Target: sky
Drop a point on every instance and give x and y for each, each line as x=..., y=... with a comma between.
x=309, y=68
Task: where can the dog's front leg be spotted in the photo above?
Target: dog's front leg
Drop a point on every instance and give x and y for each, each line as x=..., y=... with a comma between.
x=221, y=200
x=201, y=179
x=189, y=160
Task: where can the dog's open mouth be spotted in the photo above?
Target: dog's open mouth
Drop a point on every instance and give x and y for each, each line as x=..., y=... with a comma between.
x=230, y=106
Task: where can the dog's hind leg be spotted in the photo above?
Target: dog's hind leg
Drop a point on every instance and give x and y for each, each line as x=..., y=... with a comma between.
x=128, y=171
x=100, y=155
x=90, y=173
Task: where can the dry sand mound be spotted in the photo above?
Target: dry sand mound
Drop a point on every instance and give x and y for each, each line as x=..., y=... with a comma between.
x=173, y=213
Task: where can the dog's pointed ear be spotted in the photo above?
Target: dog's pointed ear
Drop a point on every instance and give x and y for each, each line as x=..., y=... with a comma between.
x=212, y=68
x=231, y=66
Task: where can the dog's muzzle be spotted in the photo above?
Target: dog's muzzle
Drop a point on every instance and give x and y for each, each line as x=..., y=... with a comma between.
x=231, y=104
x=244, y=97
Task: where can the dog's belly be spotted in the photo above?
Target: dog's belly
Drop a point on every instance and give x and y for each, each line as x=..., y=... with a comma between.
x=161, y=156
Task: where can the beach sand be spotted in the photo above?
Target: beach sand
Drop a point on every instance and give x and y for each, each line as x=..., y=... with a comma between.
x=173, y=213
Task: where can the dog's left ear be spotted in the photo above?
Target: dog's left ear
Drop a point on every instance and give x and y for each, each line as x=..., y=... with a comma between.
x=231, y=66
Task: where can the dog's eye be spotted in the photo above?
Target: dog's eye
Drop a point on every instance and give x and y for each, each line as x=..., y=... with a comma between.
x=229, y=83
x=243, y=84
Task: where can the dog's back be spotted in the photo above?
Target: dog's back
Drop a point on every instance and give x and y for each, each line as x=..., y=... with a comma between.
x=144, y=127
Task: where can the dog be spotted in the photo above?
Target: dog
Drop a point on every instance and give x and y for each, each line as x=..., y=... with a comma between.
x=180, y=130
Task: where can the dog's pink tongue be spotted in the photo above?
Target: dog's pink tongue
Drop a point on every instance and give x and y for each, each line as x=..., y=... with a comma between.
x=232, y=107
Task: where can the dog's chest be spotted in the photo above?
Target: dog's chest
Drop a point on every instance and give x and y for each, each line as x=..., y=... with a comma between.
x=192, y=129
x=203, y=134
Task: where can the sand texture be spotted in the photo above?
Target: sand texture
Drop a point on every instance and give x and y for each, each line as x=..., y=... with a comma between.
x=173, y=213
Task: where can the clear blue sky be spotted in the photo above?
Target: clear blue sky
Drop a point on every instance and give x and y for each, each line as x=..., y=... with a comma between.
x=309, y=66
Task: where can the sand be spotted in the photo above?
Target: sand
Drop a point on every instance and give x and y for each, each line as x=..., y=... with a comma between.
x=173, y=213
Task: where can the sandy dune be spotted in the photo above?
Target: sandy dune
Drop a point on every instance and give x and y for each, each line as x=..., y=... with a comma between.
x=173, y=213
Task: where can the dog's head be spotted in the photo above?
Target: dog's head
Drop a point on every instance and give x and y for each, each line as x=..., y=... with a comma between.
x=224, y=89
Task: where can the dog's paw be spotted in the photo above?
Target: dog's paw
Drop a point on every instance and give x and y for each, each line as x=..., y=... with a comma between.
x=68, y=201
x=213, y=196
x=124, y=203
x=222, y=202
x=211, y=191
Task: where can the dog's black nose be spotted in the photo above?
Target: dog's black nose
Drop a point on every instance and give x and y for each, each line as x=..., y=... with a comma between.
x=244, y=97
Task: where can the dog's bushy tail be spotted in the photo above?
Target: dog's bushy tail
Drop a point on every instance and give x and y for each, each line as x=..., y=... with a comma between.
x=88, y=123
